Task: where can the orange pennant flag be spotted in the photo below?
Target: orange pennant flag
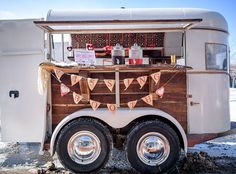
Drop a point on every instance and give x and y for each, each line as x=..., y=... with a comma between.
x=142, y=80
x=75, y=79
x=92, y=83
x=77, y=98
x=132, y=104
x=64, y=89
x=127, y=82
x=94, y=104
x=109, y=83
x=156, y=77
x=111, y=107
x=58, y=73
x=148, y=99
x=160, y=92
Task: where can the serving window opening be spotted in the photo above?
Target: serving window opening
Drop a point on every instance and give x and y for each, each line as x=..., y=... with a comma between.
x=157, y=47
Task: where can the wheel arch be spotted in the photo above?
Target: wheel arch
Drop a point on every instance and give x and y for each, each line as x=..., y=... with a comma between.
x=135, y=116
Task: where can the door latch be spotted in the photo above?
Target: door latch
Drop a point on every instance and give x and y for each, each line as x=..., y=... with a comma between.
x=194, y=103
x=15, y=94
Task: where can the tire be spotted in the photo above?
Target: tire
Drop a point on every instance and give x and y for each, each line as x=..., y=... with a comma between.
x=158, y=158
x=84, y=146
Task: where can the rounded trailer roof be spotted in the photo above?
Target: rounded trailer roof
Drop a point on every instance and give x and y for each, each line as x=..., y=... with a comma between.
x=210, y=19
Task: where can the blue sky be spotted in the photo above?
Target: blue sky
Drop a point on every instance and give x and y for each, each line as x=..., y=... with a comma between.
x=10, y=9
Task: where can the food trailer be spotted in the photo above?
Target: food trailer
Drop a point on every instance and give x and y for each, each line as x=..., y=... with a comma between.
x=174, y=96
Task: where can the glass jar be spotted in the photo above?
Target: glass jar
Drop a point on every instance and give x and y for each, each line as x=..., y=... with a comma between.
x=118, y=55
x=135, y=55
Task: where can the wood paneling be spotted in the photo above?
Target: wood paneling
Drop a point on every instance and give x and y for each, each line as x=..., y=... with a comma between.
x=173, y=102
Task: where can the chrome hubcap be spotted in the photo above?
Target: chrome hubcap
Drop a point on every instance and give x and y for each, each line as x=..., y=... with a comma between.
x=84, y=147
x=153, y=148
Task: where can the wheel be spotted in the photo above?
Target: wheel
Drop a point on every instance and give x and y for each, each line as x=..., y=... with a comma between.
x=84, y=145
x=152, y=147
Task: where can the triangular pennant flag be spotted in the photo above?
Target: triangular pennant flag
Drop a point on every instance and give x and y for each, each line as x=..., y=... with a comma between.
x=58, y=73
x=142, y=80
x=148, y=99
x=156, y=77
x=160, y=91
x=94, y=104
x=127, y=82
x=75, y=79
x=64, y=89
x=111, y=107
x=132, y=104
x=77, y=97
x=92, y=83
x=109, y=83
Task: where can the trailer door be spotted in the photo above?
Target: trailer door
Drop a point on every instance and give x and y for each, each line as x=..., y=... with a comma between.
x=22, y=109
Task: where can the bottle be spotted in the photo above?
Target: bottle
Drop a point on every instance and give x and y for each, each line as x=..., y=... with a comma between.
x=135, y=55
x=118, y=55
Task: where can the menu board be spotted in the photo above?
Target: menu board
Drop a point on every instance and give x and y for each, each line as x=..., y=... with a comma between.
x=86, y=57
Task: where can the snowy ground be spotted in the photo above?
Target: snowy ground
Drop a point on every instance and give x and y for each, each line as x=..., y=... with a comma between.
x=23, y=158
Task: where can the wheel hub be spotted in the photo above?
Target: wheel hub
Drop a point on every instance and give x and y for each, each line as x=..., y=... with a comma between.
x=153, y=148
x=84, y=147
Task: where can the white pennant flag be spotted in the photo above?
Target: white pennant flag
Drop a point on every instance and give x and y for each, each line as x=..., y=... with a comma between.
x=127, y=82
x=109, y=83
x=58, y=73
x=64, y=89
x=142, y=80
x=156, y=77
x=111, y=107
x=132, y=104
x=92, y=83
x=160, y=92
x=148, y=99
x=94, y=104
x=77, y=98
x=75, y=79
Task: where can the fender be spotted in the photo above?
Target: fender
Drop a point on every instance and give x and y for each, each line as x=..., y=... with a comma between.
x=121, y=118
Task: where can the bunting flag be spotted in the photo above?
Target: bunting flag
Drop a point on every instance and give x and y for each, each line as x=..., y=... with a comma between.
x=156, y=77
x=64, y=89
x=109, y=83
x=94, y=104
x=132, y=104
x=58, y=73
x=127, y=82
x=111, y=107
x=92, y=83
x=148, y=99
x=77, y=98
x=160, y=91
x=75, y=79
x=142, y=80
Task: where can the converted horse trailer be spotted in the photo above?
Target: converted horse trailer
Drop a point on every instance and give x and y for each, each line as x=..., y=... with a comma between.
x=152, y=110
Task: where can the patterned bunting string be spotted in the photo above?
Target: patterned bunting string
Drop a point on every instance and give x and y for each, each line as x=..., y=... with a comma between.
x=132, y=104
x=92, y=83
x=109, y=83
x=148, y=99
x=75, y=79
x=127, y=82
x=142, y=80
x=156, y=77
x=160, y=91
x=58, y=73
x=64, y=89
x=77, y=98
x=94, y=104
x=111, y=107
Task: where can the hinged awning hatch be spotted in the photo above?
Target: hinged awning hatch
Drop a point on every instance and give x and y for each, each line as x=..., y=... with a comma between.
x=117, y=26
